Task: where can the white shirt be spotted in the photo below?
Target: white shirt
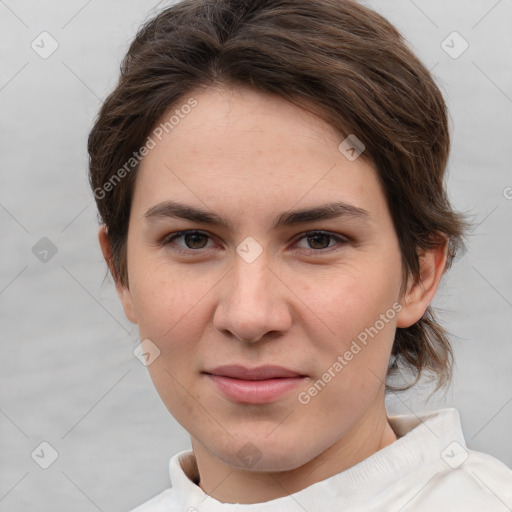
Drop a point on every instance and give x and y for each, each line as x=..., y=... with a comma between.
x=428, y=469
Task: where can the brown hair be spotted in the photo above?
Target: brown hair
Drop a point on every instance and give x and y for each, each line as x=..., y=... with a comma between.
x=336, y=58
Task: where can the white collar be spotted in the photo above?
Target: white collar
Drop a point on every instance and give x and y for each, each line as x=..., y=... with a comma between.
x=425, y=436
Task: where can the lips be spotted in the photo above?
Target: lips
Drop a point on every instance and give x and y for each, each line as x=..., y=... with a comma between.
x=255, y=386
x=259, y=373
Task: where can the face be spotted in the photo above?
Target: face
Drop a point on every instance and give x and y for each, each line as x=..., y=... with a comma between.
x=252, y=282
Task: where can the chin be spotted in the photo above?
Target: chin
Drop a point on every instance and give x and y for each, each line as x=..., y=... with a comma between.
x=260, y=454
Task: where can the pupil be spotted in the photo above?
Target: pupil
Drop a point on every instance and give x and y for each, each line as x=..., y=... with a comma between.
x=316, y=237
x=194, y=237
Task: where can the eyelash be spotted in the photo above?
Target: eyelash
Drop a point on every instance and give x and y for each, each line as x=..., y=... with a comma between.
x=169, y=240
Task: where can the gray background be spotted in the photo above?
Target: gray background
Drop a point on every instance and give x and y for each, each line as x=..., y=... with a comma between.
x=68, y=374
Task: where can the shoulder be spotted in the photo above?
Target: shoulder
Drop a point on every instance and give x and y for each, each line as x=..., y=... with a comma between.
x=162, y=502
x=441, y=472
x=468, y=480
x=490, y=473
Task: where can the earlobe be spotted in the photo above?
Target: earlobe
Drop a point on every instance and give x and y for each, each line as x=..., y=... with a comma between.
x=419, y=294
x=122, y=291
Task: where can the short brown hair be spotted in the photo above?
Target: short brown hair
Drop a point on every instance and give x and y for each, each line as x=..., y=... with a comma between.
x=336, y=58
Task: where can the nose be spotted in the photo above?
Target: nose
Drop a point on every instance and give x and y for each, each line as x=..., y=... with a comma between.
x=254, y=302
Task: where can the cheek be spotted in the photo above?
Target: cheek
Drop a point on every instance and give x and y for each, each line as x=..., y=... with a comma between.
x=358, y=305
x=169, y=312
x=354, y=297
x=167, y=302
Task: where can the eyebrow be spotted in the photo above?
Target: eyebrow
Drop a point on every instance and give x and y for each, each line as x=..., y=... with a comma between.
x=326, y=211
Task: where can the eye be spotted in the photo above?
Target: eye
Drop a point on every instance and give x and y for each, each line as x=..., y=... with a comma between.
x=320, y=240
x=193, y=240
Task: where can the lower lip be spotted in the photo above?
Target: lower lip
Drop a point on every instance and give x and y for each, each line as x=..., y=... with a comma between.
x=255, y=391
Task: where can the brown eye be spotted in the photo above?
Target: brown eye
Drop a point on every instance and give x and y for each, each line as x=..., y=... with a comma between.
x=193, y=241
x=319, y=241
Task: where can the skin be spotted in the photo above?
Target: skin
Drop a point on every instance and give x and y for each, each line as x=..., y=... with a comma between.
x=248, y=157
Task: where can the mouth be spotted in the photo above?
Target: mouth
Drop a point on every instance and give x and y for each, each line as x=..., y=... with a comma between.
x=259, y=373
x=254, y=386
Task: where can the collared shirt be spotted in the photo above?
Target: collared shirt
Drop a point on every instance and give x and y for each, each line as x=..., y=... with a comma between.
x=428, y=468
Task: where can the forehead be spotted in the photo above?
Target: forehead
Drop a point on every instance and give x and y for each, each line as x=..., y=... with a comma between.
x=231, y=122
x=250, y=150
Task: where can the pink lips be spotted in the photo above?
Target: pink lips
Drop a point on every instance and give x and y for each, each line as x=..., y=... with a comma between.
x=254, y=386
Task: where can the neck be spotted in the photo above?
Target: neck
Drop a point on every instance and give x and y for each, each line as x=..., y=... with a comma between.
x=229, y=484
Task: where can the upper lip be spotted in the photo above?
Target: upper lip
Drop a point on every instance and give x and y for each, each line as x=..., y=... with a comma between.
x=259, y=373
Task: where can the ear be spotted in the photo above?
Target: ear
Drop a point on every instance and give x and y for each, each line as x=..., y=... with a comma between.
x=122, y=291
x=419, y=294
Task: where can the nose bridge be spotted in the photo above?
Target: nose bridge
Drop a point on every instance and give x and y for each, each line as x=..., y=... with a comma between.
x=251, y=280
x=252, y=302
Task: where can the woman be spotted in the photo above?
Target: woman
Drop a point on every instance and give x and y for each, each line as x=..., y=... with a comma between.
x=269, y=176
